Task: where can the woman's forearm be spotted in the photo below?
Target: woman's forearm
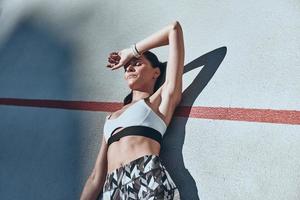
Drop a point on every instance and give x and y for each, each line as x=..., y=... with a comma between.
x=96, y=180
x=157, y=39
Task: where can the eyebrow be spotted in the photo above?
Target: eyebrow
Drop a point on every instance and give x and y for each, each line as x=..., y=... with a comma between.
x=132, y=60
x=137, y=59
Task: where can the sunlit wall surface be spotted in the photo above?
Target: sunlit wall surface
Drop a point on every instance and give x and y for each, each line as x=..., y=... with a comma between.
x=240, y=56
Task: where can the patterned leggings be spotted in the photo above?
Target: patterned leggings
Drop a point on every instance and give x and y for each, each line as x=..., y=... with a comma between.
x=144, y=178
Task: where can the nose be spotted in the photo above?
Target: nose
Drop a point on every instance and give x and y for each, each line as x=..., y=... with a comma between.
x=129, y=68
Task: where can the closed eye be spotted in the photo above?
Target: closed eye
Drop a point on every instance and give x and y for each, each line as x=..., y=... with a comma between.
x=132, y=63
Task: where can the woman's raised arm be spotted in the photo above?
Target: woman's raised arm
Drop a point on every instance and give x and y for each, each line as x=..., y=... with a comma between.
x=171, y=35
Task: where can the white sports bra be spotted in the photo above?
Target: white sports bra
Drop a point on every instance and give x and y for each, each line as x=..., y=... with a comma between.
x=137, y=114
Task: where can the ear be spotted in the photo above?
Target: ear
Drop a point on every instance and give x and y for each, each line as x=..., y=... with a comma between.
x=157, y=72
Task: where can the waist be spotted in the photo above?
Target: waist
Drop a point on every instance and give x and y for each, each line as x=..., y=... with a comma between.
x=128, y=149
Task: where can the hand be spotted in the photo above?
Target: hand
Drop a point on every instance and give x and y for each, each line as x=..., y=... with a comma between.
x=113, y=59
x=118, y=59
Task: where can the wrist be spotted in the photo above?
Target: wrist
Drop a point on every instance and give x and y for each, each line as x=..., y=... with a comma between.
x=129, y=52
x=134, y=51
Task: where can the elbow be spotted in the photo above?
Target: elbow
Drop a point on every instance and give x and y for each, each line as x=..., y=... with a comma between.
x=94, y=183
x=176, y=25
x=94, y=178
x=176, y=28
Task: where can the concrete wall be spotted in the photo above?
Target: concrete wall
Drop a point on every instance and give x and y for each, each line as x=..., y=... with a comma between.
x=238, y=54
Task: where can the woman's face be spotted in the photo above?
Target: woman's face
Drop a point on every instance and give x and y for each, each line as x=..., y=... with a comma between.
x=138, y=72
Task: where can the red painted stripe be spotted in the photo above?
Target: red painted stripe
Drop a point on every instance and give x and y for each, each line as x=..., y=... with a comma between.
x=241, y=114
x=218, y=113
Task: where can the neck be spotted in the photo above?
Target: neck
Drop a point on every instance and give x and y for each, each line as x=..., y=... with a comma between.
x=137, y=95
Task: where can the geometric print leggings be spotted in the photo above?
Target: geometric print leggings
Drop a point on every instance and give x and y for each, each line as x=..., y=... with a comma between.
x=144, y=178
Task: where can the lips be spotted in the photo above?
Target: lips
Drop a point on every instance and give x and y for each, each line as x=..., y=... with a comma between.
x=131, y=76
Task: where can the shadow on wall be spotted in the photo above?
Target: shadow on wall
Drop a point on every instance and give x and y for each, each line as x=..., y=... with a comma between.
x=39, y=147
x=171, y=151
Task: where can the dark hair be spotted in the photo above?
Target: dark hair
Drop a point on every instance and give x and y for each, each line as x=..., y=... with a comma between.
x=160, y=80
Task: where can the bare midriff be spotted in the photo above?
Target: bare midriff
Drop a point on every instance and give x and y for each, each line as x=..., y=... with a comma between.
x=129, y=148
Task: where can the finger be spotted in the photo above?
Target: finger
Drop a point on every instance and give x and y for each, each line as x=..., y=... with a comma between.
x=113, y=64
x=111, y=60
x=116, y=57
x=109, y=65
x=115, y=67
x=113, y=53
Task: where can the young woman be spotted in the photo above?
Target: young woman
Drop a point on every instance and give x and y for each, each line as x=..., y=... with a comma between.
x=128, y=165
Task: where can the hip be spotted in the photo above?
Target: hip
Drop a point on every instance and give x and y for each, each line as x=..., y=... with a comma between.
x=143, y=178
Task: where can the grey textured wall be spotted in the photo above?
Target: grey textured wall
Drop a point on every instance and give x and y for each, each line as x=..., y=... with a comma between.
x=51, y=50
